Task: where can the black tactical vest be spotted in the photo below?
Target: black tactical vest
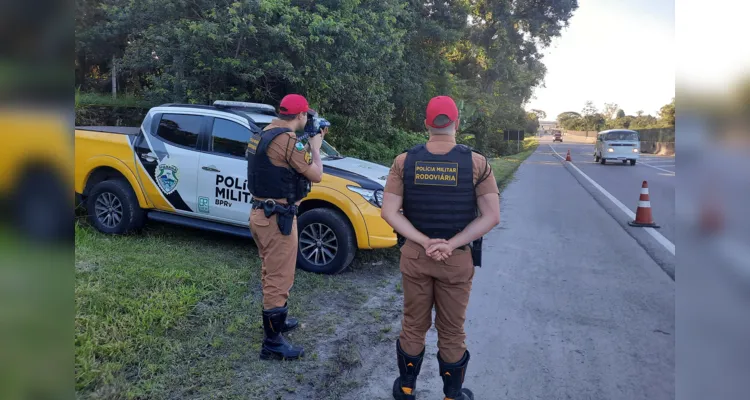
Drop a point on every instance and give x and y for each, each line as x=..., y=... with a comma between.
x=439, y=196
x=266, y=180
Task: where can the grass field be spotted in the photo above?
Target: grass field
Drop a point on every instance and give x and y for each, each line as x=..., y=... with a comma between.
x=175, y=313
x=504, y=167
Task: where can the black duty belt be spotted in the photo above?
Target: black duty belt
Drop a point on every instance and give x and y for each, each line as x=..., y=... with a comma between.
x=271, y=207
x=284, y=213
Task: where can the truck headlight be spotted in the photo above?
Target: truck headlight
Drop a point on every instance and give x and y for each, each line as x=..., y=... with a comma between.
x=610, y=150
x=635, y=150
x=374, y=197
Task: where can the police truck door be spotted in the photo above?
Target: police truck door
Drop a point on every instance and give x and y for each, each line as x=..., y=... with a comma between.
x=222, y=181
x=169, y=158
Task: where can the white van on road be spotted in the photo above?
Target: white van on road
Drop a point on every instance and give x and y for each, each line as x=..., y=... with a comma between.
x=618, y=144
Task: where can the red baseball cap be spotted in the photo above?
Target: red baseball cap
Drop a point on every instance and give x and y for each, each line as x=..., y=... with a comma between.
x=293, y=104
x=441, y=112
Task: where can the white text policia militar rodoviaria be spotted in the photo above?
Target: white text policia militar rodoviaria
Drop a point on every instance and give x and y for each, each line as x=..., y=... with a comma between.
x=436, y=173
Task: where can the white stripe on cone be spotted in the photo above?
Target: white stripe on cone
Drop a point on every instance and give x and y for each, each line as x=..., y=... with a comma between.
x=644, y=204
x=644, y=190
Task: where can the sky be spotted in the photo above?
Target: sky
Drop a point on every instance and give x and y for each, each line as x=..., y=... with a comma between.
x=613, y=51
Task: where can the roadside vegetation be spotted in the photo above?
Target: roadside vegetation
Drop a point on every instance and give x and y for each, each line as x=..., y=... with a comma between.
x=370, y=66
x=504, y=167
x=175, y=313
x=88, y=99
x=613, y=117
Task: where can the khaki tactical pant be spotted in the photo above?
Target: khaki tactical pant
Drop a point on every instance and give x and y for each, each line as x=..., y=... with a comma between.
x=278, y=254
x=445, y=285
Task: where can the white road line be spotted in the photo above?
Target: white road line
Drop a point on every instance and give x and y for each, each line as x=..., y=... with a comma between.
x=651, y=231
x=660, y=169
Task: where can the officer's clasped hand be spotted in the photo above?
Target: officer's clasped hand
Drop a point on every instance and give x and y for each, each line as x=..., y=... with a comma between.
x=438, y=249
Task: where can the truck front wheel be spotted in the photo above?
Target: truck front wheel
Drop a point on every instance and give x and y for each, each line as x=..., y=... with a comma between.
x=326, y=241
x=113, y=208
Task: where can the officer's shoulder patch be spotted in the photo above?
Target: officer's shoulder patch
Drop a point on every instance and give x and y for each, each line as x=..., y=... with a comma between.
x=308, y=157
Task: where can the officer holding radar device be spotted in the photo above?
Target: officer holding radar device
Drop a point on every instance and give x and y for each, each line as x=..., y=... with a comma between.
x=280, y=170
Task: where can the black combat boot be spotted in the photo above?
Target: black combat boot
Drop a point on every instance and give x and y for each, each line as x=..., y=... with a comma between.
x=453, y=378
x=408, y=368
x=289, y=324
x=274, y=344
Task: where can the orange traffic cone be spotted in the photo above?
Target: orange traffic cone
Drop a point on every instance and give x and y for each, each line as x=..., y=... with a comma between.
x=643, y=216
x=567, y=157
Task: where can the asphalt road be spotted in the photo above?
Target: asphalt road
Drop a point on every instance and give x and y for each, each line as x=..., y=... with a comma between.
x=624, y=181
x=569, y=304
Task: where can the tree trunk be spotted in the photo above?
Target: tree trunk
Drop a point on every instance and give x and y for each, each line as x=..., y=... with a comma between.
x=114, y=78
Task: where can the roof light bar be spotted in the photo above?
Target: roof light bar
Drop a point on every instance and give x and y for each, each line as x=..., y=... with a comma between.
x=243, y=104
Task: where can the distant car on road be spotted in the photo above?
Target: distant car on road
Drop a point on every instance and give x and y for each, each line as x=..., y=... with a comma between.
x=617, y=144
x=557, y=138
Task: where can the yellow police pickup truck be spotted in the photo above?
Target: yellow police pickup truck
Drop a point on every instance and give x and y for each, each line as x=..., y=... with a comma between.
x=185, y=165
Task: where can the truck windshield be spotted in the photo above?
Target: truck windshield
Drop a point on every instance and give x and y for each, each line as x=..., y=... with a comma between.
x=327, y=151
x=630, y=136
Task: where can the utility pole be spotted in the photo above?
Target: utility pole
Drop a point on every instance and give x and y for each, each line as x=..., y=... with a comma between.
x=114, y=79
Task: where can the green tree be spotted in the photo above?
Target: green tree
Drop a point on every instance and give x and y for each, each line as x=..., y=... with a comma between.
x=610, y=111
x=570, y=120
x=666, y=114
x=540, y=114
x=371, y=64
x=589, y=109
x=620, y=114
x=532, y=123
x=593, y=120
x=643, y=121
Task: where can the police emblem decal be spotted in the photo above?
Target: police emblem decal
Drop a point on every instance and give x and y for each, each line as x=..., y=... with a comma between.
x=167, y=177
x=308, y=158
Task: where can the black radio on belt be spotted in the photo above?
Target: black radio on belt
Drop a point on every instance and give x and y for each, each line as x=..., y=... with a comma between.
x=400, y=240
x=476, y=252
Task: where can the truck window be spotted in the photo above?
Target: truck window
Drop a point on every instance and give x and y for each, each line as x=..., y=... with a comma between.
x=229, y=138
x=180, y=129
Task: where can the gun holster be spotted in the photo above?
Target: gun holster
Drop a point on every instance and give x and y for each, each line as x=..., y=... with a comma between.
x=476, y=252
x=284, y=215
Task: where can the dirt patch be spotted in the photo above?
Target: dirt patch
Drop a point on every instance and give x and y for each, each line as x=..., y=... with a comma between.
x=351, y=334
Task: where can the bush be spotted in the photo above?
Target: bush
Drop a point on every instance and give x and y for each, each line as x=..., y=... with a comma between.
x=381, y=147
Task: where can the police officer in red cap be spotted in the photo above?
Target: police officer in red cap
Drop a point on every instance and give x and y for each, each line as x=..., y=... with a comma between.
x=449, y=199
x=280, y=172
